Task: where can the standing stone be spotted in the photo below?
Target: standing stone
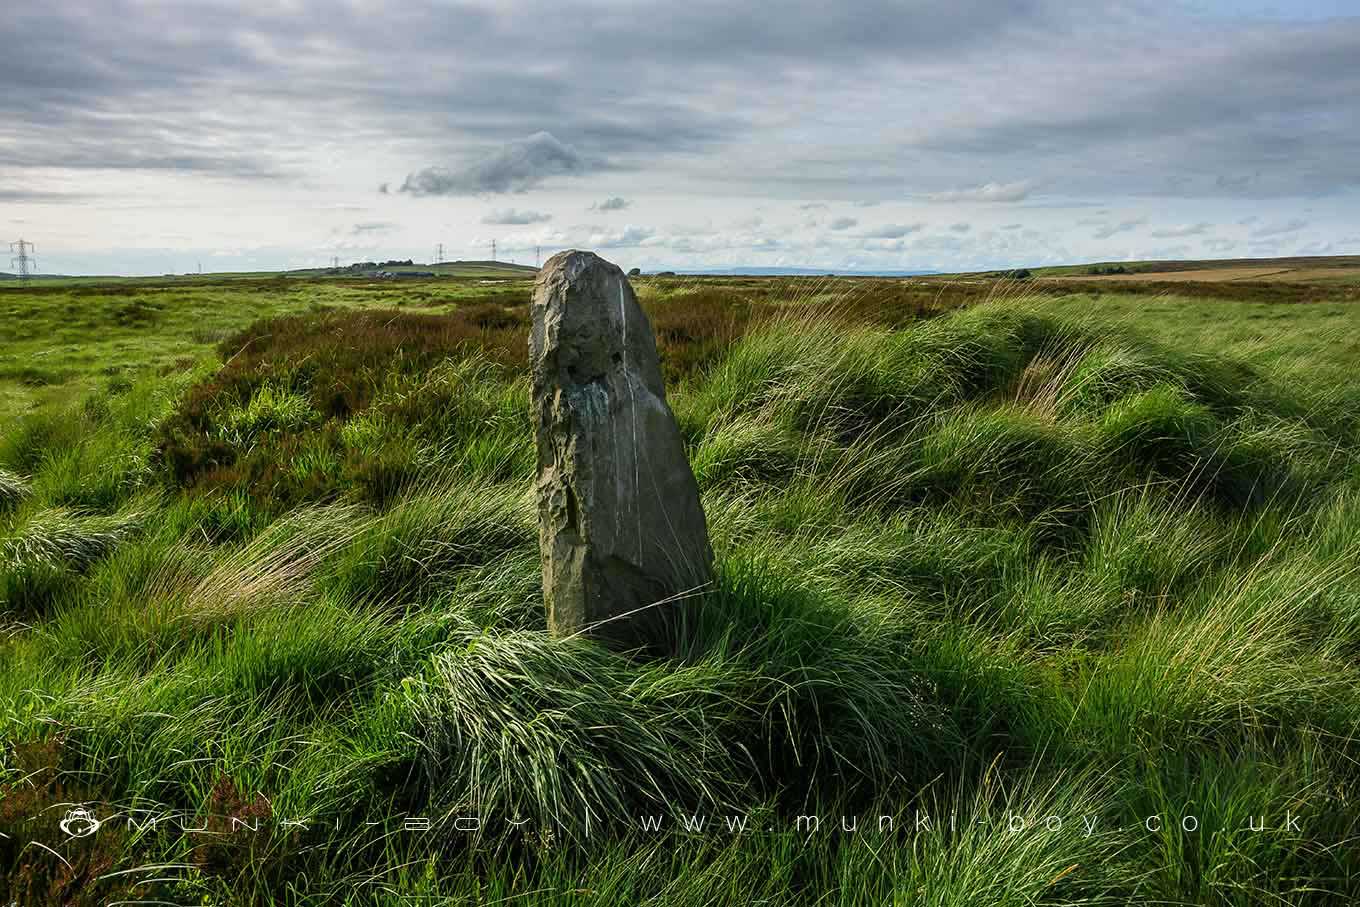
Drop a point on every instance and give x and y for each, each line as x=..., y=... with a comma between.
x=619, y=520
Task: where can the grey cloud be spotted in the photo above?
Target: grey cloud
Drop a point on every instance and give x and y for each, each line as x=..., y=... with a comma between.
x=515, y=217
x=1319, y=247
x=98, y=89
x=1126, y=226
x=843, y=223
x=280, y=93
x=895, y=231
x=1235, y=184
x=615, y=203
x=517, y=167
x=1256, y=111
x=39, y=196
x=127, y=86
x=104, y=147
x=1280, y=228
x=700, y=244
x=960, y=227
x=940, y=243
x=811, y=206
x=372, y=227
x=887, y=245
x=1237, y=109
x=621, y=239
x=697, y=245
x=1182, y=230
x=707, y=37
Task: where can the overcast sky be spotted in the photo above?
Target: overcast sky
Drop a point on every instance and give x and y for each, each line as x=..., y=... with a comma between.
x=143, y=137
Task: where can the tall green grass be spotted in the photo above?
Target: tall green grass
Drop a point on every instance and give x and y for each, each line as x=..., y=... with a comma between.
x=1015, y=561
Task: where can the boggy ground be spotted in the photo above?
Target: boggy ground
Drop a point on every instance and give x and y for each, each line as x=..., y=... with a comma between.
x=1062, y=586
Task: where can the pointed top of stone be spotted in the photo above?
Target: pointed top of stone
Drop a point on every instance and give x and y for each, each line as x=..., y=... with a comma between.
x=595, y=321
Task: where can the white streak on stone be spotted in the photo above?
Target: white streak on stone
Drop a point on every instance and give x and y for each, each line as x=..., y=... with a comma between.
x=632, y=408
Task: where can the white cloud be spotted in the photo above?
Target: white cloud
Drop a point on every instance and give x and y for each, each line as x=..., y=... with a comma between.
x=516, y=217
x=1181, y=230
x=1316, y=248
x=1280, y=228
x=895, y=231
x=1124, y=226
x=988, y=192
x=629, y=237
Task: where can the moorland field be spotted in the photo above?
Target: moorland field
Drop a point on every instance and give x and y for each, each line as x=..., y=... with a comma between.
x=1066, y=567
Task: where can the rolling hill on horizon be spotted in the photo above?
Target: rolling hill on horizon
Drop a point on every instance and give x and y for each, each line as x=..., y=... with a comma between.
x=1329, y=268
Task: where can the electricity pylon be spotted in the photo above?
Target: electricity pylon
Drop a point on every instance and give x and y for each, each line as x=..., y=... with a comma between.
x=22, y=260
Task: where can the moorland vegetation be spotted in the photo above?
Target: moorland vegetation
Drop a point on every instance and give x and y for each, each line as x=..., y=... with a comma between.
x=983, y=555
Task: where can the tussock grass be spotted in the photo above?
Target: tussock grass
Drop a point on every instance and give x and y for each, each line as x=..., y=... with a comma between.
x=270, y=409
x=13, y=490
x=42, y=553
x=1025, y=558
x=1239, y=665
x=60, y=538
x=422, y=542
x=1241, y=843
x=276, y=568
x=567, y=733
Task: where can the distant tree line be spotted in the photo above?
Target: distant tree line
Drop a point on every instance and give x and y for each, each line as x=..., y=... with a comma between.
x=374, y=265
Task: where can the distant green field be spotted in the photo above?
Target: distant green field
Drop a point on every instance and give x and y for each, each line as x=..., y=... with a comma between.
x=1303, y=269
x=60, y=340
x=1317, y=343
x=488, y=269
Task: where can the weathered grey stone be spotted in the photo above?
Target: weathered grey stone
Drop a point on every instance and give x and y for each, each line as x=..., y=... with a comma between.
x=620, y=524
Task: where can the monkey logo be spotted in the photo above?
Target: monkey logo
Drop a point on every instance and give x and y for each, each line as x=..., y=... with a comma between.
x=79, y=823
